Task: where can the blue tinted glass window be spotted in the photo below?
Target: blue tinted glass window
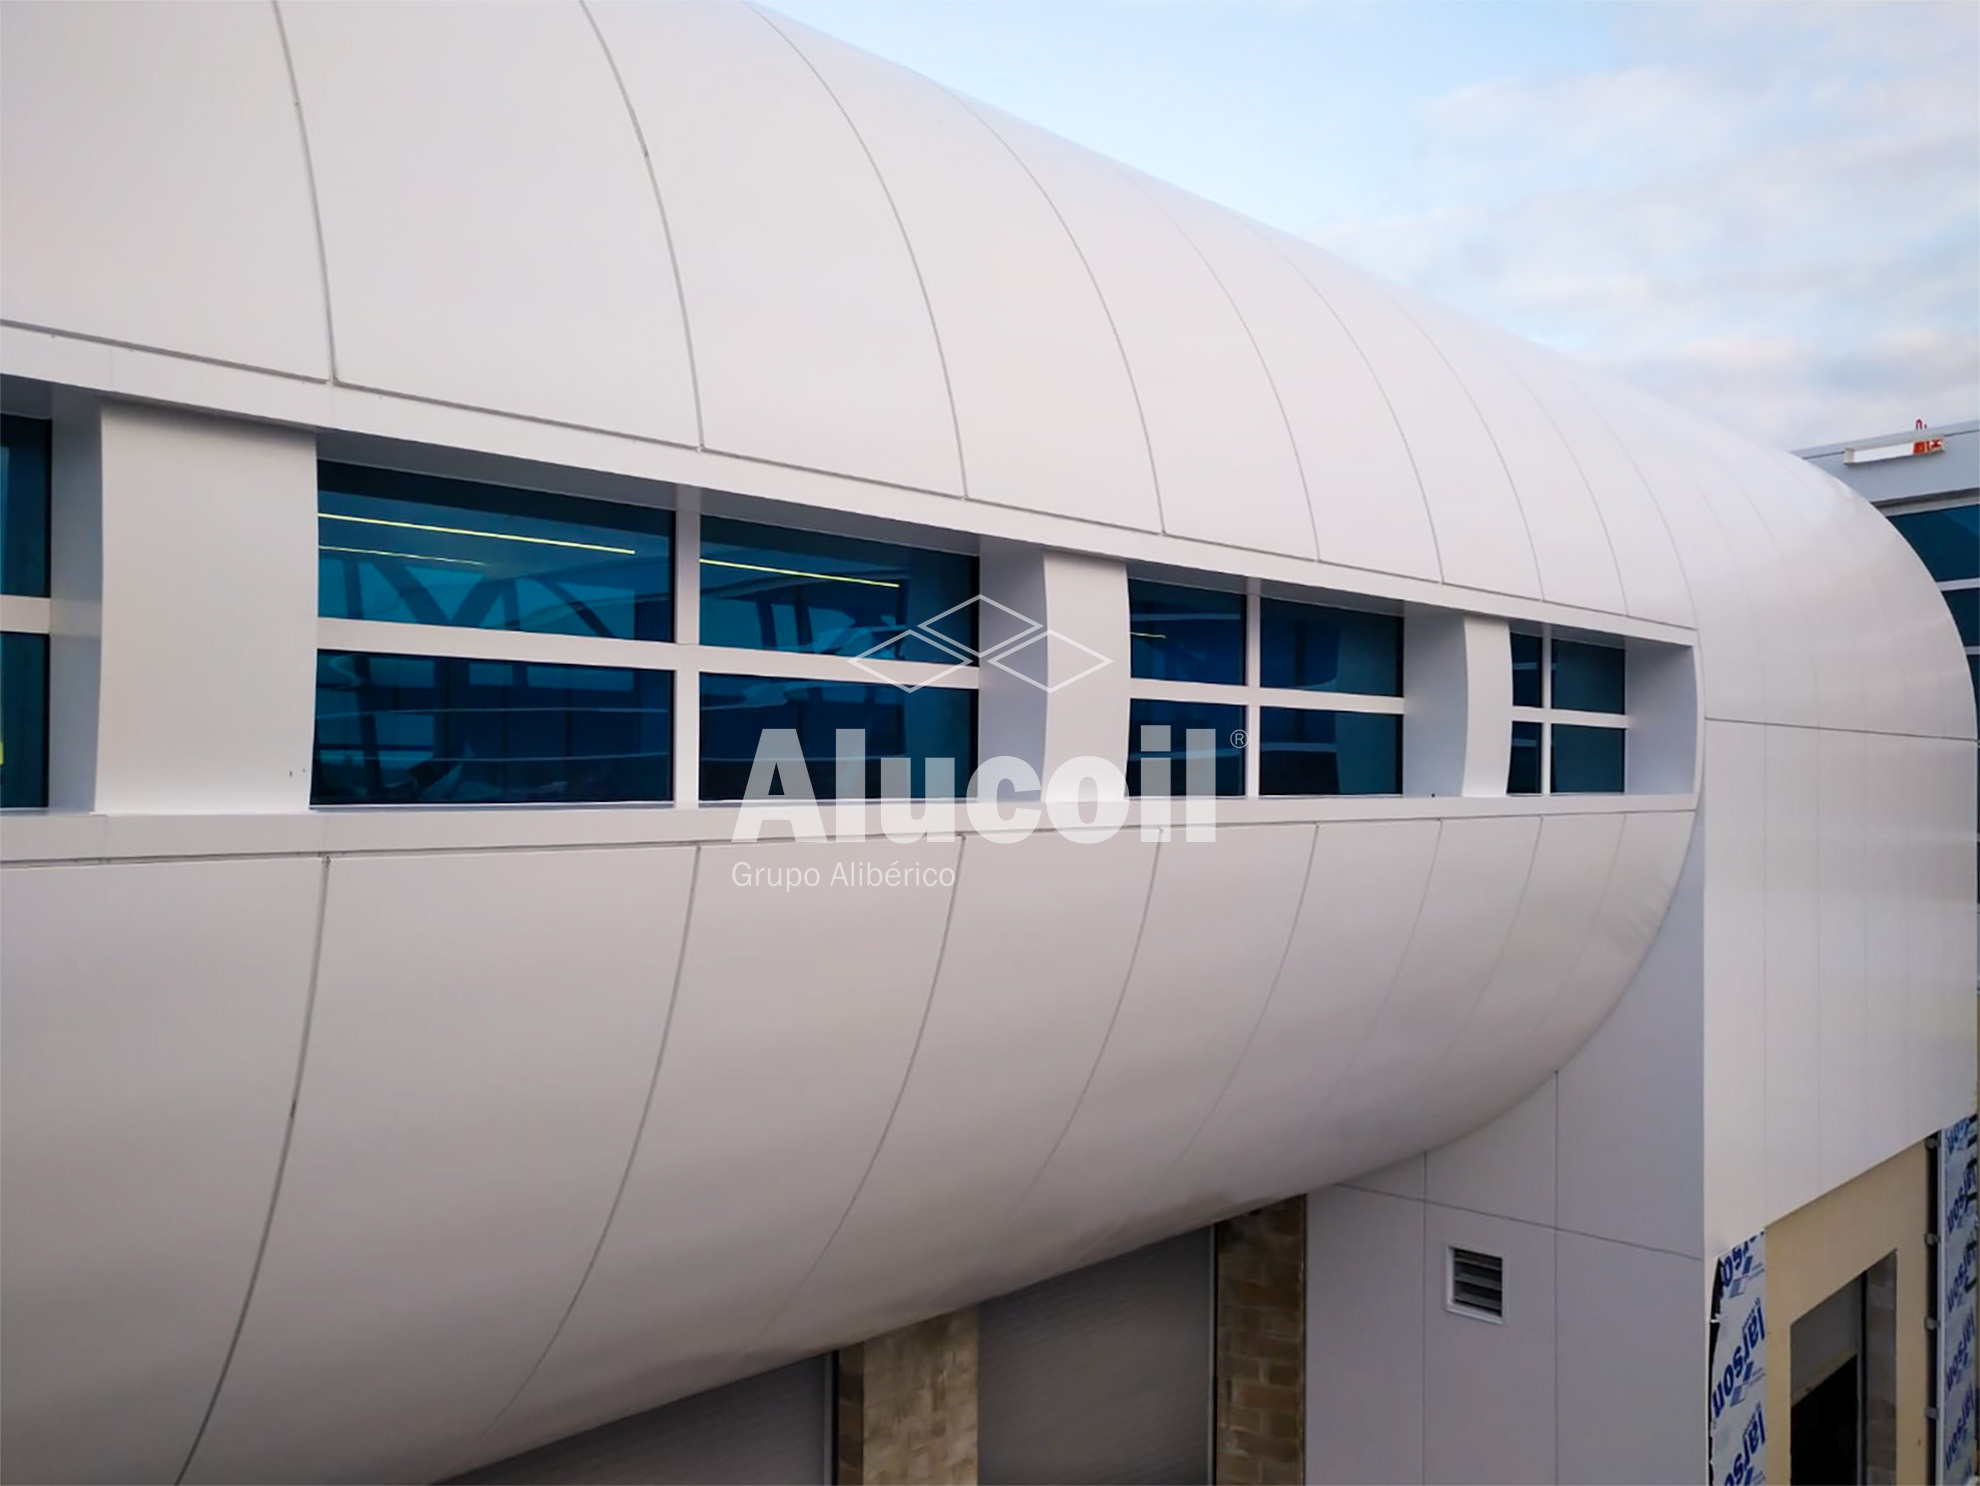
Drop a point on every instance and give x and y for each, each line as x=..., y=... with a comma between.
x=1224, y=720
x=415, y=729
x=417, y=550
x=1965, y=606
x=24, y=506
x=766, y=588
x=1523, y=777
x=1321, y=649
x=1328, y=753
x=1185, y=634
x=1526, y=670
x=23, y=720
x=1948, y=540
x=1587, y=761
x=933, y=723
x=1587, y=678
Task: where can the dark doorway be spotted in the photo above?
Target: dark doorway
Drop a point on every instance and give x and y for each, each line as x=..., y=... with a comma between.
x=1824, y=1443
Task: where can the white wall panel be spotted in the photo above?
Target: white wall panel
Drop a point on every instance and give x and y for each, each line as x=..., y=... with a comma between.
x=1488, y=1390
x=1951, y=1070
x=1630, y=1132
x=791, y=1034
x=1216, y=932
x=1468, y=911
x=1364, y=892
x=1505, y=1167
x=1571, y=547
x=484, y=1037
x=1364, y=1338
x=156, y=187
x=1367, y=508
x=1043, y=404
x=1886, y=986
x=1484, y=1067
x=1630, y=1363
x=153, y=1017
x=1653, y=580
x=1733, y=828
x=1793, y=935
x=179, y=494
x=812, y=339
x=1212, y=414
x=1841, y=972
x=1481, y=531
x=488, y=221
x=1040, y=943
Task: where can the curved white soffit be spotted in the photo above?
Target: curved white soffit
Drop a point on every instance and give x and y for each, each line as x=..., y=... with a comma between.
x=709, y=226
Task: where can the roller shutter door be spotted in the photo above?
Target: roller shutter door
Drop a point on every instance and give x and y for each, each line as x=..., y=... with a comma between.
x=1102, y=1375
x=770, y=1428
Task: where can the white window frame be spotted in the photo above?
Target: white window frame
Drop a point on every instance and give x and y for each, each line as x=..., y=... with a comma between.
x=684, y=656
x=1547, y=714
x=1249, y=693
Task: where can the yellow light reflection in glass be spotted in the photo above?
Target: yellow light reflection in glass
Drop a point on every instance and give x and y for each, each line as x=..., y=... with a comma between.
x=493, y=536
x=757, y=567
x=466, y=562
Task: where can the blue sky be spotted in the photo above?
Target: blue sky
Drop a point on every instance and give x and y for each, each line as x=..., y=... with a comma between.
x=1767, y=212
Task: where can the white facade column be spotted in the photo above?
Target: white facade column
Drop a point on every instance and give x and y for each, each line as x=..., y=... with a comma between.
x=687, y=634
x=1660, y=686
x=1056, y=700
x=1457, y=722
x=182, y=674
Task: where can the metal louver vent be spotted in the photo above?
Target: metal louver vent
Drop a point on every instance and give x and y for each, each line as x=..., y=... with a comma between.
x=1477, y=1284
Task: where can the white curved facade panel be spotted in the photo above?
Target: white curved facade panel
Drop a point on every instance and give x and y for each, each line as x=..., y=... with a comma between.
x=183, y=220
x=461, y=1129
x=147, y=1075
x=1766, y=573
x=1647, y=566
x=1571, y=547
x=1481, y=531
x=790, y=1039
x=813, y=342
x=427, y=147
x=1641, y=881
x=1352, y=458
x=1363, y=896
x=1480, y=1072
x=1043, y=405
x=1039, y=947
x=1213, y=420
x=1732, y=670
x=1477, y=880
x=1859, y=676
x=1215, y=919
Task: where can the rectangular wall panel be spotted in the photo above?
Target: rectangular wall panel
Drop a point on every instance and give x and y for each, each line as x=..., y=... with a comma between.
x=1102, y=1374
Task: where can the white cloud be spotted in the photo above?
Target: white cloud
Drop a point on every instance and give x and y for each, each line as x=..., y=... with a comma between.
x=1768, y=213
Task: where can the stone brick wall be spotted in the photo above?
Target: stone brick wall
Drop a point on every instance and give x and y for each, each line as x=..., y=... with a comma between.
x=907, y=1406
x=1261, y=1346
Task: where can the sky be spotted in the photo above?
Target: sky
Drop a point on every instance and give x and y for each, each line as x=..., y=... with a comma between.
x=1769, y=213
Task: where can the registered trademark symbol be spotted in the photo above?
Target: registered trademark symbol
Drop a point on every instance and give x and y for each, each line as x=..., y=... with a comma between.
x=1238, y=739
